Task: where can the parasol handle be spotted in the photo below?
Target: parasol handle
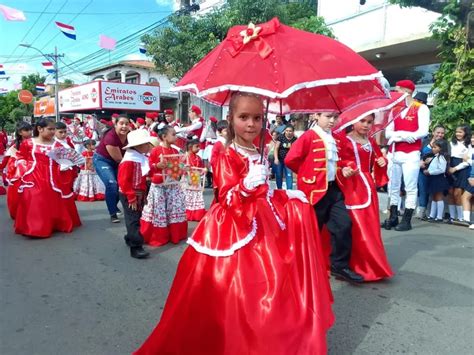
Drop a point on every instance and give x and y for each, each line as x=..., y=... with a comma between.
x=262, y=132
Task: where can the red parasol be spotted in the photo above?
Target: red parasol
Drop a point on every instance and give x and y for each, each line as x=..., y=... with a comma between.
x=381, y=108
x=299, y=71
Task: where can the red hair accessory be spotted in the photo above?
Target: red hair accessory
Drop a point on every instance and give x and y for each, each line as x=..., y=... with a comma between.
x=168, y=111
x=196, y=110
x=140, y=120
x=407, y=84
x=213, y=119
x=115, y=115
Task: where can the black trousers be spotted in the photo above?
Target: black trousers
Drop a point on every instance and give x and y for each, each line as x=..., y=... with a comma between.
x=331, y=211
x=133, y=238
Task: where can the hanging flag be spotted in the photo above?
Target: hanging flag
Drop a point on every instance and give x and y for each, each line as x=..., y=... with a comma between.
x=48, y=66
x=67, y=30
x=2, y=71
x=40, y=87
x=142, y=48
x=107, y=42
x=11, y=14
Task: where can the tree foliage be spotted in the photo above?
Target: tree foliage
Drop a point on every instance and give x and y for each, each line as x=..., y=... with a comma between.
x=454, y=81
x=30, y=81
x=187, y=39
x=12, y=110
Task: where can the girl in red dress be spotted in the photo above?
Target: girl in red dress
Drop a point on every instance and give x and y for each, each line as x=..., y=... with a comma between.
x=88, y=186
x=195, y=208
x=368, y=256
x=23, y=131
x=43, y=206
x=252, y=280
x=164, y=215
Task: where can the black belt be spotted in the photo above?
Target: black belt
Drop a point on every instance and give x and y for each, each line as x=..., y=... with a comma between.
x=332, y=183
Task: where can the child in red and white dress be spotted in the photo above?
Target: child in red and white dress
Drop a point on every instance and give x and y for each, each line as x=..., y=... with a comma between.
x=164, y=215
x=195, y=208
x=23, y=131
x=43, y=204
x=253, y=279
x=88, y=186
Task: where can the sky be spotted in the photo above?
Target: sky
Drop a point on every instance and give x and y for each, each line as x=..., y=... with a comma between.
x=114, y=18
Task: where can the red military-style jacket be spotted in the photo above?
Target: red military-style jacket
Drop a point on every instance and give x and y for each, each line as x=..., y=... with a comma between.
x=307, y=158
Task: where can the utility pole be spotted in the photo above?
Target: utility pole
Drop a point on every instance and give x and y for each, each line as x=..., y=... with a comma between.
x=54, y=57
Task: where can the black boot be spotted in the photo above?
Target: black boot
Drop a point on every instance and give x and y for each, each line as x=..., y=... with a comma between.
x=208, y=180
x=138, y=253
x=392, y=220
x=405, y=224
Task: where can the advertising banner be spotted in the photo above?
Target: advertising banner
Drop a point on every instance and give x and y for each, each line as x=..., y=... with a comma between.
x=123, y=96
x=79, y=98
x=44, y=107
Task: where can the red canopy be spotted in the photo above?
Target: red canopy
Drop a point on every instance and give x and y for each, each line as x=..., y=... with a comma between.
x=299, y=71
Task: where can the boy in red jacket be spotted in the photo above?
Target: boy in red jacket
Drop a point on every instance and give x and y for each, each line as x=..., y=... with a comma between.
x=132, y=173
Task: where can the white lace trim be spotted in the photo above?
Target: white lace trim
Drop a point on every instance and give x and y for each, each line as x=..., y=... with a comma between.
x=225, y=252
x=274, y=95
x=374, y=111
x=280, y=222
x=362, y=176
x=28, y=184
x=228, y=196
x=53, y=186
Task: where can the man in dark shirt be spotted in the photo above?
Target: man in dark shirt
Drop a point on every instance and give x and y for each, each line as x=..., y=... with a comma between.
x=282, y=147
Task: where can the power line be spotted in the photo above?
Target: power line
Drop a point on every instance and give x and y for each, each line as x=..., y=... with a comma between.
x=31, y=27
x=103, y=13
x=77, y=15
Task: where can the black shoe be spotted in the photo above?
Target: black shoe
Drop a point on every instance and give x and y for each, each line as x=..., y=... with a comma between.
x=347, y=274
x=138, y=253
x=405, y=224
x=392, y=220
x=114, y=219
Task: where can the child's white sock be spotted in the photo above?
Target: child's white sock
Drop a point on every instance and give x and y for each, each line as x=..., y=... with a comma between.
x=459, y=211
x=434, y=206
x=440, y=210
x=467, y=215
x=452, y=211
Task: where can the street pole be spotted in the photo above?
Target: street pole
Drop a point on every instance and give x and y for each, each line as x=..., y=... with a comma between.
x=55, y=58
x=56, y=84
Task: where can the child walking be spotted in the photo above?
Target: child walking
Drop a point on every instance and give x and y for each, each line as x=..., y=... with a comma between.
x=88, y=186
x=437, y=183
x=132, y=173
x=44, y=206
x=195, y=208
x=164, y=215
x=23, y=131
x=253, y=279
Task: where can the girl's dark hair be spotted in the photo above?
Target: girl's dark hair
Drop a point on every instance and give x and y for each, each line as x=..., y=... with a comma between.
x=21, y=126
x=42, y=122
x=443, y=146
x=89, y=141
x=467, y=136
x=232, y=103
x=190, y=143
x=290, y=127
x=60, y=125
x=438, y=126
x=221, y=125
x=163, y=131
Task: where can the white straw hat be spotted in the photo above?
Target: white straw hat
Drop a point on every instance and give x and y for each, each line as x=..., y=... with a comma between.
x=138, y=137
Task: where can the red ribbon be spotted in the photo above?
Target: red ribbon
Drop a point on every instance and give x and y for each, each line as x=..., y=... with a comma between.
x=263, y=47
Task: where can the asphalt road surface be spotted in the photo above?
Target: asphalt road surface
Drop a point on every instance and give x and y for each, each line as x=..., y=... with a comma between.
x=82, y=293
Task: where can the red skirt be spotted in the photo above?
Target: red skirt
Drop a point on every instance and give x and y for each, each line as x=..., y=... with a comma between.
x=41, y=210
x=271, y=296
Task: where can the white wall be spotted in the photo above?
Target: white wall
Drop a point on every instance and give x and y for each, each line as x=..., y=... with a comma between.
x=375, y=24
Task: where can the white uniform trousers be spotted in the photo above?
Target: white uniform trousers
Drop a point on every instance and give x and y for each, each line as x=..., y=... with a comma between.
x=408, y=166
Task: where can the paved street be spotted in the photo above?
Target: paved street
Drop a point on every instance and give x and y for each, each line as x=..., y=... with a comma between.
x=82, y=293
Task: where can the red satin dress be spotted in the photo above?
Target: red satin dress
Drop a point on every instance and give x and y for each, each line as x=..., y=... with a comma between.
x=45, y=204
x=253, y=279
x=368, y=256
